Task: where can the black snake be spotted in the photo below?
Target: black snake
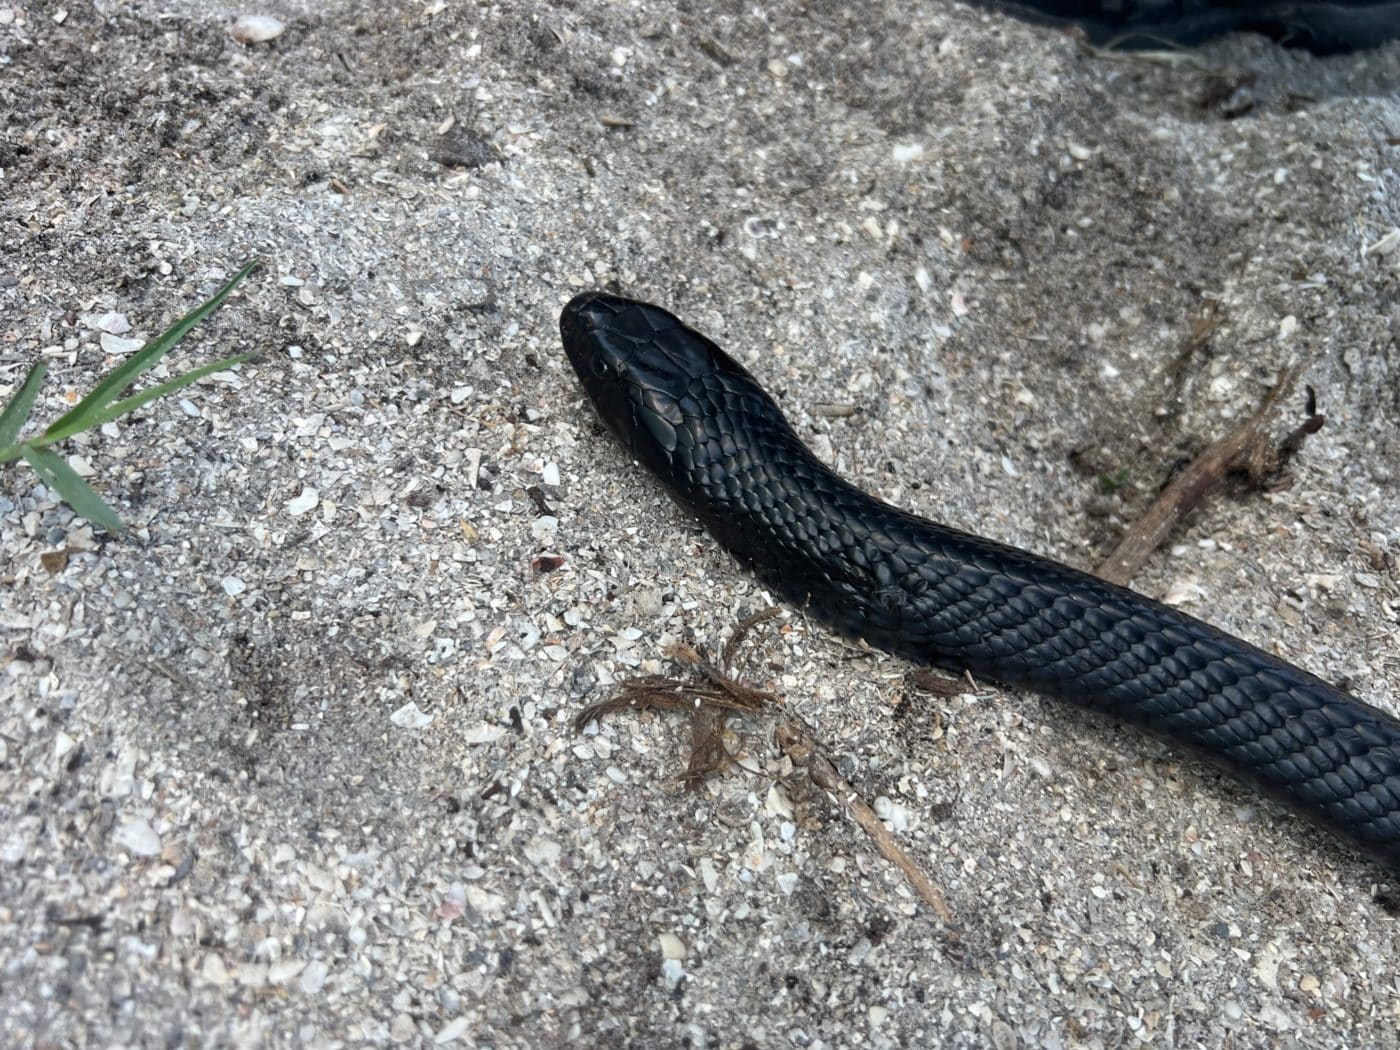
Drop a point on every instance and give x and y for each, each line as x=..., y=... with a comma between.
x=721, y=446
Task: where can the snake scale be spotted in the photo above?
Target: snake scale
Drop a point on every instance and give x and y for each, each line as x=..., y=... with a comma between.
x=721, y=446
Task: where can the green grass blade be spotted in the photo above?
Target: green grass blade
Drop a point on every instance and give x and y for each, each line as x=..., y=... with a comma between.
x=17, y=411
x=56, y=474
x=135, y=401
x=81, y=416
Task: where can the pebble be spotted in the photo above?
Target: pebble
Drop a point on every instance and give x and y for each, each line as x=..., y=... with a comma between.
x=63, y=746
x=120, y=346
x=672, y=947
x=542, y=852
x=313, y=978
x=451, y=1031
x=402, y=1028
x=285, y=970
x=307, y=501
x=112, y=323
x=410, y=717
x=213, y=970
x=483, y=733
x=136, y=836
x=545, y=528
x=256, y=29
x=709, y=874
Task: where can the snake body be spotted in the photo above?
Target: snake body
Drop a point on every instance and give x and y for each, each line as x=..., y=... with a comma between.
x=723, y=449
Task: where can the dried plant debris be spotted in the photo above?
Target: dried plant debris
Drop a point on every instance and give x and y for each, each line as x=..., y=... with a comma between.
x=1247, y=451
x=714, y=691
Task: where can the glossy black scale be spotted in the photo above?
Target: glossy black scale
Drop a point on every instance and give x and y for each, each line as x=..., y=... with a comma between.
x=721, y=446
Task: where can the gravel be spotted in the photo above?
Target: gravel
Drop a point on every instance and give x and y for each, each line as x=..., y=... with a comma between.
x=292, y=762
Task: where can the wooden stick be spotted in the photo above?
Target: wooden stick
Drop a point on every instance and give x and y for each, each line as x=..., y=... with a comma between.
x=1245, y=448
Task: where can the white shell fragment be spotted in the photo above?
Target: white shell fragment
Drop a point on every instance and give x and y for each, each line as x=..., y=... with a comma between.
x=672, y=947
x=257, y=29
x=137, y=837
x=410, y=716
x=305, y=502
x=119, y=346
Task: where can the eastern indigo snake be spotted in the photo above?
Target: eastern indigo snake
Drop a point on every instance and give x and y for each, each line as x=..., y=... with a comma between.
x=721, y=446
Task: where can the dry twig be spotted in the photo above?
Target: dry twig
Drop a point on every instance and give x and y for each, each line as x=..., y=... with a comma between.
x=716, y=692
x=1245, y=449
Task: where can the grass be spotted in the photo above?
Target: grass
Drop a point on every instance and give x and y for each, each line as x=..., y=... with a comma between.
x=101, y=406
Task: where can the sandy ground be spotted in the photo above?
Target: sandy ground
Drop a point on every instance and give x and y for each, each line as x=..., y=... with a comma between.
x=291, y=763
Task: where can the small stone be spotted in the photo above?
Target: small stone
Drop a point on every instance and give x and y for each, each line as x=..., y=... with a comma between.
x=313, y=978
x=118, y=346
x=410, y=717
x=451, y=1031
x=671, y=972
x=544, y=528
x=234, y=586
x=464, y=148
x=1182, y=592
x=307, y=501
x=542, y=852
x=777, y=803
x=63, y=746
x=112, y=323
x=672, y=947
x=402, y=1028
x=213, y=970
x=256, y=29
x=16, y=845
x=709, y=874
x=81, y=466
x=137, y=837
x=483, y=734
x=284, y=970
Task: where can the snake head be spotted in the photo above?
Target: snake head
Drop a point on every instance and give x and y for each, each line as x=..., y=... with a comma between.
x=637, y=363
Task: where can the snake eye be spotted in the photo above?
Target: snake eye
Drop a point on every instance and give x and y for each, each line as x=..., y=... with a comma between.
x=600, y=366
